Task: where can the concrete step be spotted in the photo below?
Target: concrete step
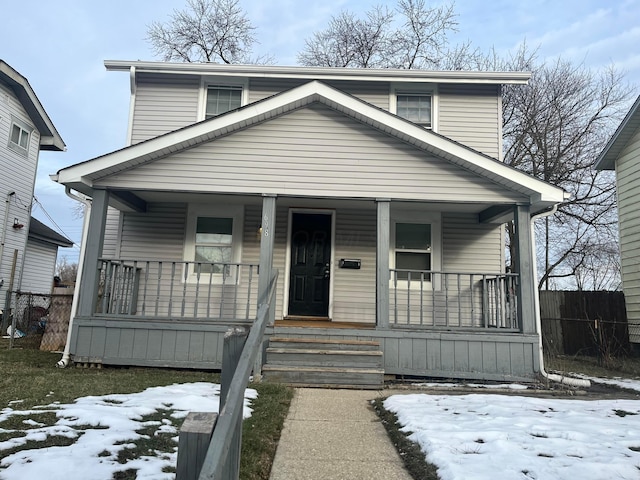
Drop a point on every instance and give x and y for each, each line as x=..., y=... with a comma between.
x=305, y=376
x=324, y=358
x=324, y=344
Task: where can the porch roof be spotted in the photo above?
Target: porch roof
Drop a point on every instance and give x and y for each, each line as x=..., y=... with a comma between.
x=82, y=176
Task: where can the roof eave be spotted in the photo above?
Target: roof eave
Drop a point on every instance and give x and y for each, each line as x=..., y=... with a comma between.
x=322, y=73
x=631, y=122
x=49, y=136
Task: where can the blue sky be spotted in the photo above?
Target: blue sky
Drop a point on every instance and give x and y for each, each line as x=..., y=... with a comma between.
x=60, y=46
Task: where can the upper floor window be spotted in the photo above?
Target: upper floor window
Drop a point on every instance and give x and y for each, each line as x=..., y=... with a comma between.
x=415, y=107
x=222, y=99
x=19, y=136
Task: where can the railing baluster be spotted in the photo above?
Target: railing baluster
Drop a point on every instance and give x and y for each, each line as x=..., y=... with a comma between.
x=184, y=289
x=235, y=291
x=209, y=291
x=395, y=297
x=408, y=298
x=446, y=299
x=472, y=303
x=433, y=298
x=195, y=300
x=249, y=292
x=159, y=282
x=144, y=291
x=485, y=302
x=221, y=314
x=421, y=298
x=459, y=294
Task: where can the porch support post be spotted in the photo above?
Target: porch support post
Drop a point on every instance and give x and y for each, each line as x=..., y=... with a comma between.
x=382, y=263
x=266, y=249
x=526, y=282
x=88, y=294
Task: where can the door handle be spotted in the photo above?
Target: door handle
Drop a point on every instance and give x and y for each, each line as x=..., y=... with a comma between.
x=327, y=270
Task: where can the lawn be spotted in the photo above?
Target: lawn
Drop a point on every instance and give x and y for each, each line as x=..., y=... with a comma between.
x=31, y=383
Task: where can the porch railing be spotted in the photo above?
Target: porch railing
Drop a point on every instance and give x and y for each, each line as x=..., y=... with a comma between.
x=453, y=300
x=177, y=289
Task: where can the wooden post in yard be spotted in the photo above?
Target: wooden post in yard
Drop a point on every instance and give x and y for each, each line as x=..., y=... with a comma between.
x=193, y=442
x=234, y=341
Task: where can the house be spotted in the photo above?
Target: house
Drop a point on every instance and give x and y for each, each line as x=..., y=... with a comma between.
x=622, y=154
x=25, y=130
x=377, y=195
x=40, y=257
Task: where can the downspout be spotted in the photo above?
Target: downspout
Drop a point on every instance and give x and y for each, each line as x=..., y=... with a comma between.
x=573, y=382
x=64, y=361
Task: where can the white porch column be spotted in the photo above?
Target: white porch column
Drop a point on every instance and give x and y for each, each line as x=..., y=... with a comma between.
x=88, y=293
x=382, y=263
x=524, y=264
x=266, y=248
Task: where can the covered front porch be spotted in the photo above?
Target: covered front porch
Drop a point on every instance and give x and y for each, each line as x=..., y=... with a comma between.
x=174, y=312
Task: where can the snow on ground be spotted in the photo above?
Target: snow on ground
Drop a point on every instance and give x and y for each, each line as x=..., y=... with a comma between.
x=102, y=426
x=628, y=383
x=485, y=436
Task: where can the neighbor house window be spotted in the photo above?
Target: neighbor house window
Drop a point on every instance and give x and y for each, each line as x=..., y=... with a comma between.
x=414, y=107
x=19, y=136
x=412, y=248
x=222, y=99
x=214, y=237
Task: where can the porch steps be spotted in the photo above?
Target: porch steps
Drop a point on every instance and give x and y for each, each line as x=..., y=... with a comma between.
x=312, y=362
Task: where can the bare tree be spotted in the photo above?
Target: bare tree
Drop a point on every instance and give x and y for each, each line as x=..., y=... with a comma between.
x=554, y=128
x=206, y=31
x=66, y=271
x=412, y=35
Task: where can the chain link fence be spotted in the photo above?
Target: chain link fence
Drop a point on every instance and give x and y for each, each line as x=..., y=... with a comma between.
x=39, y=321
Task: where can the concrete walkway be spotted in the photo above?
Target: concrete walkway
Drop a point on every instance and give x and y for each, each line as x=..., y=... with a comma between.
x=335, y=434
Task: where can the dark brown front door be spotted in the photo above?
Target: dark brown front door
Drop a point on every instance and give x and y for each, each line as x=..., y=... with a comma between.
x=310, y=265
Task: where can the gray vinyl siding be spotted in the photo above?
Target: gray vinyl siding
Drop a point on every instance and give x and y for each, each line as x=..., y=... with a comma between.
x=39, y=267
x=375, y=93
x=469, y=246
x=163, y=103
x=470, y=114
x=313, y=151
x=628, y=183
x=111, y=245
x=17, y=174
x=354, y=296
x=157, y=234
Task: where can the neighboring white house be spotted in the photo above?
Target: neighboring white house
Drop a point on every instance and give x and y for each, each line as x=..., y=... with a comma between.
x=378, y=195
x=622, y=154
x=25, y=130
x=40, y=257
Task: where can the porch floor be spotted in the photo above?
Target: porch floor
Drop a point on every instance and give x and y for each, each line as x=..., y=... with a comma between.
x=313, y=323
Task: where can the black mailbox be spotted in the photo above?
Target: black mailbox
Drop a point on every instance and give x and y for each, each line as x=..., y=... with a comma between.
x=353, y=263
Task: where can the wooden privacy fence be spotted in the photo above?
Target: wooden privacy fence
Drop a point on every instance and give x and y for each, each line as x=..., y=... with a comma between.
x=584, y=323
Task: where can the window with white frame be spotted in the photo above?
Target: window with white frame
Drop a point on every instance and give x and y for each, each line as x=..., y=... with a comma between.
x=19, y=136
x=415, y=107
x=222, y=99
x=415, y=245
x=214, y=237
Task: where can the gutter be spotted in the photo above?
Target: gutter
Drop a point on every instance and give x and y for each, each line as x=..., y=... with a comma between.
x=64, y=361
x=562, y=379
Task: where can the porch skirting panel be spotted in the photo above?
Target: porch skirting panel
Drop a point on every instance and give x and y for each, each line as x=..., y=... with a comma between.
x=196, y=345
x=419, y=353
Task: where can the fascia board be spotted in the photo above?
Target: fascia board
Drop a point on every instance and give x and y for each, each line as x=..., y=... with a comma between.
x=322, y=73
x=631, y=122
